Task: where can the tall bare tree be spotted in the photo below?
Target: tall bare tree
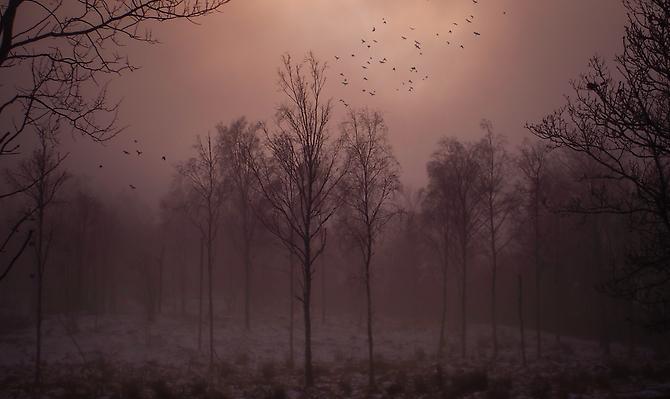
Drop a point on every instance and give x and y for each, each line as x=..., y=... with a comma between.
x=204, y=174
x=498, y=203
x=300, y=176
x=237, y=142
x=42, y=168
x=368, y=189
x=458, y=164
x=533, y=160
x=437, y=214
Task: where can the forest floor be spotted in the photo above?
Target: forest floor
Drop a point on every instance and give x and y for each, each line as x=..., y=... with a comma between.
x=124, y=357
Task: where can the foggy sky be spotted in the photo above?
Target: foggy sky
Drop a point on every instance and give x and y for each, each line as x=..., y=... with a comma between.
x=226, y=67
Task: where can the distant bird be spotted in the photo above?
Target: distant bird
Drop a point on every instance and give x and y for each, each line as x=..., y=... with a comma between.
x=100, y=166
x=413, y=69
x=365, y=78
x=368, y=46
x=468, y=21
x=362, y=41
x=417, y=46
x=372, y=94
x=337, y=58
x=364, y=67
x=345, y=83
x=126, y=152
x=477, y=33
x=135, y=140
x=403, y=37
x=394, y=68
x=374, y=29
x=138, y=152
x=412, y=28
x=449, y=30
x=131, y=186
x=375, y=40
x=504, y=12
x=353, y=55
x=462, y=46
x=341, y=74
x=475, y=1
x=163, y=158
x=448, y=42
x=368, y=62
x=455, y=24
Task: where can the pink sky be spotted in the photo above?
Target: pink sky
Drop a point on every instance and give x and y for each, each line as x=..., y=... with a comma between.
x=225, y=67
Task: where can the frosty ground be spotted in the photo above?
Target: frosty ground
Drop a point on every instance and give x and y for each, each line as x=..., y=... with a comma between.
x=124, y=357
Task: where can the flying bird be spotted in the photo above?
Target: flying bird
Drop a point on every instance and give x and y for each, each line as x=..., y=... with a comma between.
x=477, y=33
x=403, y=37
x=138, y=152
x=163, y=157
x=100, y=166
x=126, y=152
x=337, y=58
x=374, y=29
x=131, y=186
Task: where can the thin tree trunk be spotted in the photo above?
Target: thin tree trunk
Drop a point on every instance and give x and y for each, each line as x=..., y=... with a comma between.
x=464, y=316
x=323, y=292
x=40, y=279
x=494, y=270
x=247, y=285
x=443, y=318
x=520, y=310
x=307, y=291
x=538, y=325
x=202, y=272
x=368, y=294
x=211, y=299
x=291, y=359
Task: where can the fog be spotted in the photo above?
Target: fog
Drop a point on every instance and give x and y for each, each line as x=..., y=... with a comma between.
x=273, y=199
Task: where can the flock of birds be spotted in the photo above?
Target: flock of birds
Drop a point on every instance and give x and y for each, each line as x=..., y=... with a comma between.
x=369, y=63
x=407, y=83
x=139, y=153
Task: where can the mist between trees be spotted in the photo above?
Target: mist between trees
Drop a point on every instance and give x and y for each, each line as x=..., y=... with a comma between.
x=302, y=221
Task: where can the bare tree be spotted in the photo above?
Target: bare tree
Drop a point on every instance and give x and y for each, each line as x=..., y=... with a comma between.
x=437, y=214
x=204, y=174
x=458, y=164
x=497, y=203
x=619, y=120
x=368, y=189
x=299, y=178
x=237, y=142
x=43, y=169
x=533, y=159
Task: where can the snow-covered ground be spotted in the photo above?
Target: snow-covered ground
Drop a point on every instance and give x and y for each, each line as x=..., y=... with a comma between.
x=125, y=357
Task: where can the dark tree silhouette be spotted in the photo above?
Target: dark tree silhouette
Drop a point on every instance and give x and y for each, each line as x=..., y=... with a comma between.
x=299, y=178
x=498, y=203
x=458, y=165
x=532, y=161
x=368, y=189
x=42, y=168
x=204, y=174
x=237, y=142
x=619, y=119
